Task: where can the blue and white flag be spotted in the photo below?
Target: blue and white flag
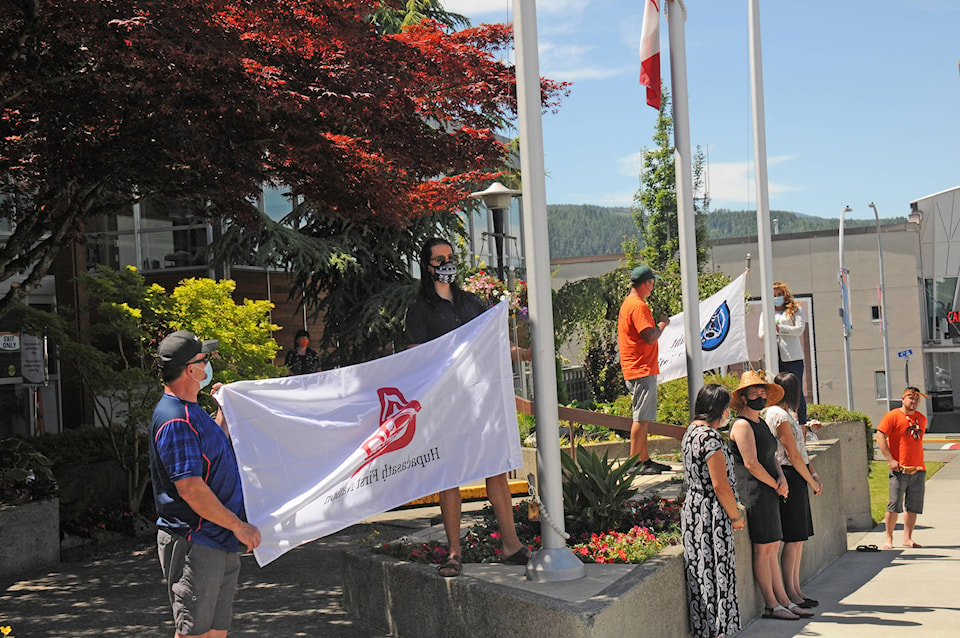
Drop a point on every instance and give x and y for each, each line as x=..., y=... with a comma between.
x=323, y=451
x=723, y=334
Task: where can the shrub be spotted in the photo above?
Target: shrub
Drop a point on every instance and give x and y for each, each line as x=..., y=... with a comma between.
x=88, y=444
x=672, y=404
x=25, y=474
x=596, y=491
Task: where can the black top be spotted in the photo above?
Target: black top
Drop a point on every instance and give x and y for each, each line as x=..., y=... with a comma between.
x=307, y=363
x=429, y=318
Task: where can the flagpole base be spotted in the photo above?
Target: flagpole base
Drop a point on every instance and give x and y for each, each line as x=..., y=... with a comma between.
x=554, y=566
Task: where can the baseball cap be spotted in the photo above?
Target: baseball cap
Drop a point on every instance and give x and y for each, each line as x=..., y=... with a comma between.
x=641, y=274
x=177, y=348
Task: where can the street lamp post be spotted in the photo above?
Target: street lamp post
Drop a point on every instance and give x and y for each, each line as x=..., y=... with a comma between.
x=845, y=314
x=883, y=311
x=497, y=198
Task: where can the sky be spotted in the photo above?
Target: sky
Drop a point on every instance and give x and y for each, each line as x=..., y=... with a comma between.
x=861, y=100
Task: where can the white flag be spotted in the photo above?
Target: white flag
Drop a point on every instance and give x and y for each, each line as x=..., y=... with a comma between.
x=723, y=336
x=321, y=452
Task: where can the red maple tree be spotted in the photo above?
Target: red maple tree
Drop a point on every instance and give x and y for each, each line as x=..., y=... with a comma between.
x=103, y=103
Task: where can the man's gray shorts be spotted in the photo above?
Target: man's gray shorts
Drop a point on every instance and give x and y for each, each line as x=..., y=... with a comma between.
x=906, y=491
x=201, y=582
x=643, y=391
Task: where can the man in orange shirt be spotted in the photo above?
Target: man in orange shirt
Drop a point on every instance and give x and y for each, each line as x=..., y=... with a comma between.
x=637, y=336
x=900, y=439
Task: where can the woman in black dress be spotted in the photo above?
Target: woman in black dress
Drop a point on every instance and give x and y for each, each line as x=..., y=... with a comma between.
x=761, y=484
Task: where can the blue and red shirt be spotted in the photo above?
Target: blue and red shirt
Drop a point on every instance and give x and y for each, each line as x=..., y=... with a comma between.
x=186, y=442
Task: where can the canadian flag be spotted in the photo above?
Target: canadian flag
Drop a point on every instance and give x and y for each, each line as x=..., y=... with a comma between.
x=650, y=52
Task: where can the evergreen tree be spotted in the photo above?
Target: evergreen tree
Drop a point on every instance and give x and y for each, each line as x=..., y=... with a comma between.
x=655, y=204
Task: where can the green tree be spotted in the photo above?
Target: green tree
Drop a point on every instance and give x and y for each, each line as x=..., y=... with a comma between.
x=655, y=203
x=389, y=19
x=207, y=308
x=117, y=365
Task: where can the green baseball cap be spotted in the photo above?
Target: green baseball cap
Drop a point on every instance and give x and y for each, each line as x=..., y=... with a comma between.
x=641, y=274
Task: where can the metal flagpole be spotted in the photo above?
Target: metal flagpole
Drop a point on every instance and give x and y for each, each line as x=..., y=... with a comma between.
x=686, y=215
x=771, y=350
x=555, y=562
x=883, y=313
x=845, y=314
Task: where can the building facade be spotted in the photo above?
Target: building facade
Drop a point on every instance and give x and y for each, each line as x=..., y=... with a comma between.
x=922, y=284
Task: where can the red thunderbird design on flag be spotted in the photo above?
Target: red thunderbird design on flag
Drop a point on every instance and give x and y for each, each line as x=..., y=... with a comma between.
x=398, y=423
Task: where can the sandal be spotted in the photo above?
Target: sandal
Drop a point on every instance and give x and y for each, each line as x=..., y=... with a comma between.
x=808, y=603
x=797, y=610
x=867, y=548
x=779, y=613
x=519, y=557
x=450, y=567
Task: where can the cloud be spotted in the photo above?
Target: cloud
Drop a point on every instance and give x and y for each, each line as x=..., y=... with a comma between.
x=569, y=62
x=730, y=183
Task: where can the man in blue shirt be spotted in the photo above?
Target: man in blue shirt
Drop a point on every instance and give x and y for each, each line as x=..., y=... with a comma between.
x=197, y=492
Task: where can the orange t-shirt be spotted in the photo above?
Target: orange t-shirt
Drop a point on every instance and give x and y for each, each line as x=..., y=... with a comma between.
x=637, y=357
x=904, y=446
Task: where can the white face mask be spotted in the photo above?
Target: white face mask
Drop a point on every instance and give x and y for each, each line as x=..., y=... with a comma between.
x=208, y=375
x=778, y=301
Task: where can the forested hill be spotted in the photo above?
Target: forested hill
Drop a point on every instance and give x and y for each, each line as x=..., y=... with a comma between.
x=582, y=229
x=577, y=230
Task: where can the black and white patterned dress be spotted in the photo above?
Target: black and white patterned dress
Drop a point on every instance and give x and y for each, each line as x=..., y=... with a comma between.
x=708, y=545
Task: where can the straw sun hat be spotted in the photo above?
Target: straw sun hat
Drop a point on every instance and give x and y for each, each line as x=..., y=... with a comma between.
x=752, y=378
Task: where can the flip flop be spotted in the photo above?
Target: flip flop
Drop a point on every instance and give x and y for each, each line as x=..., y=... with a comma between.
x=450, y=567
x=914, y=544
x=867, y=548
x=519, y=557
x=797, y=610
x=779, y=613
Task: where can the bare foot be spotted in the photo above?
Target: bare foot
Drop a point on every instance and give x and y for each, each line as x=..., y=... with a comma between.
x=911, y=543
x=888, y=545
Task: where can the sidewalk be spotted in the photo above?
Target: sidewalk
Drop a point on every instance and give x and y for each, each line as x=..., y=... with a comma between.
x=903, y=592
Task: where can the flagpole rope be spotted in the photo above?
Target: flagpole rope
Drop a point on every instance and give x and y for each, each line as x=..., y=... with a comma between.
x=532, y=491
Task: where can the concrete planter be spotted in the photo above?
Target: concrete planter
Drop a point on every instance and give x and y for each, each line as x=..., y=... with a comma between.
x=29, y=536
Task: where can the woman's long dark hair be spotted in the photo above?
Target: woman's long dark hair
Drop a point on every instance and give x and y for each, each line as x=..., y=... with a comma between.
x=712, y=400
x=426, y=279
x=791, y=389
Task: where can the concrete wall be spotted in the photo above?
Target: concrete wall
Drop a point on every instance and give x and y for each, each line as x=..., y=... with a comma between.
x=29, y=536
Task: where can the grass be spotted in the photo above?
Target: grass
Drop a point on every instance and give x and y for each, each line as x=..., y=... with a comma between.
x=879, y=491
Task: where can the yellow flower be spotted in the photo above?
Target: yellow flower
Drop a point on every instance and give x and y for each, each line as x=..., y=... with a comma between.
x=5, y=630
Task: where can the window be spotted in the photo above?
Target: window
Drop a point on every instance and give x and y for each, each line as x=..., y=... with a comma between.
x=941, y=297
x=875, y=313
x=151, y=235
x=880, y=383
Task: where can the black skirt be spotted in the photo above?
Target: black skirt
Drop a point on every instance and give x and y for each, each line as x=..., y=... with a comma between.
x=796, y=520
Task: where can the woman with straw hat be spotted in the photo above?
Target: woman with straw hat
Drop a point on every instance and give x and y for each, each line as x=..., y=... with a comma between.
x=761, y=484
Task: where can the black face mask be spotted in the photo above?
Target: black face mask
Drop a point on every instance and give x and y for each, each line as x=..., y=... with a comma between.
x=756, y=404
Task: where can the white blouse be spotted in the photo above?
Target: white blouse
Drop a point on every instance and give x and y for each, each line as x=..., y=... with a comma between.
x=775, y=415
